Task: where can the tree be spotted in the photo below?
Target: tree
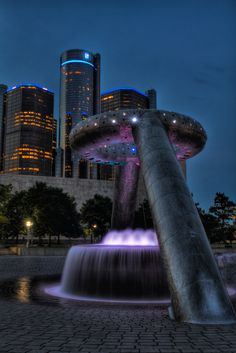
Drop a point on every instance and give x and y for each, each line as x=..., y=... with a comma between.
x=210, y=224
x=53, y=212
x=96, y=214
x=3, y=219
x=15, y=211
x=5, y=195
x=224, y=210
x=143, y=217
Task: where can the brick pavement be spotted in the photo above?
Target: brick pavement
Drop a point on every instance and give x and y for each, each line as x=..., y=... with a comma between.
x=54, y=326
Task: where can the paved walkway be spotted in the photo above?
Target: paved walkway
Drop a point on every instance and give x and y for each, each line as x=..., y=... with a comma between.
x=53, y=326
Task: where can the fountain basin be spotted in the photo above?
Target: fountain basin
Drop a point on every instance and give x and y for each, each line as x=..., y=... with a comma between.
x=114, y=273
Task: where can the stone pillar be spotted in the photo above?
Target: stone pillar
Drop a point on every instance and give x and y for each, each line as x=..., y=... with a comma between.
x=197, y=291
x=125, y=191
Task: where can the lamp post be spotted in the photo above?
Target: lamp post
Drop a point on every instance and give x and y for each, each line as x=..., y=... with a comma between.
x=94, y=226
x=28, y=224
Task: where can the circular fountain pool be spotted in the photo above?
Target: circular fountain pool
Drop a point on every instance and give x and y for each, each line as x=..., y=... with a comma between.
x=127, y=266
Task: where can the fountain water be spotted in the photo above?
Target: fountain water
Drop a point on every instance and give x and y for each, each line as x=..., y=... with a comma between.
x=130, y=237
x=126, y=266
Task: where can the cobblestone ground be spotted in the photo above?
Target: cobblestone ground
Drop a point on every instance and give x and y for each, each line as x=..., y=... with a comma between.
x=54, y=326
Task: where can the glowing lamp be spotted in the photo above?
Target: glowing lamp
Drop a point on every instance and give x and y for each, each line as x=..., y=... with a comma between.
x=28, y=223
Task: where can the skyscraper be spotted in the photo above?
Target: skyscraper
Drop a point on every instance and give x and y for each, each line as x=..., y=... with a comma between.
x=28, y=145
x=54, y=146
x=3, y=89
x=127, y=98
x=79, y=98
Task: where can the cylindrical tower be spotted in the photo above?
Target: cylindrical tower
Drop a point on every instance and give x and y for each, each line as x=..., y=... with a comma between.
x=79, y=98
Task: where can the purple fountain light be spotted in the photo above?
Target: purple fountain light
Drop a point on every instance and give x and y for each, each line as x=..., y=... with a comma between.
x=126, y=266
x=130, y=237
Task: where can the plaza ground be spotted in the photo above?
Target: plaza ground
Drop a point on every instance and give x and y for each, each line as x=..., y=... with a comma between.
x=51, y=325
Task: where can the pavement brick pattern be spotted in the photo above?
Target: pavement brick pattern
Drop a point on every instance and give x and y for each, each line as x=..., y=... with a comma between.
x=56, y=326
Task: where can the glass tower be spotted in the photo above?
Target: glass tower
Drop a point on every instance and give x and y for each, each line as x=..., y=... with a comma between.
x=125, y=98
x=3, y=89
x=79, y=98
x=29, y=130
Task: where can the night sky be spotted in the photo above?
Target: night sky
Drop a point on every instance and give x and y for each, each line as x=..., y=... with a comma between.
x=185, y=49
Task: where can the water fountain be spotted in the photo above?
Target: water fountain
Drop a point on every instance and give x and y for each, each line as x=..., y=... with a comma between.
x=126, y=266
x=155, y=141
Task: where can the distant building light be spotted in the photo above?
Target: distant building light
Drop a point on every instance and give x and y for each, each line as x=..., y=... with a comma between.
x=174, y=121
x=76, y=61
x=123, y=89
x=113, y=121
x=29, y=85
x=134, y=119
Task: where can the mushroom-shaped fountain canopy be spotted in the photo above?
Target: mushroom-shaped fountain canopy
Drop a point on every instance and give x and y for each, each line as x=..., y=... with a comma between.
x=107, y=138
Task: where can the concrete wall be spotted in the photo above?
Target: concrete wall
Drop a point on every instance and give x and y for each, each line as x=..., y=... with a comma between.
x=81, y=189
x=38, y=251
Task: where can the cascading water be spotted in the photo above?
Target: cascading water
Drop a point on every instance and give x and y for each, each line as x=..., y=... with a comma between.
x=130, y=237
x=125, y=266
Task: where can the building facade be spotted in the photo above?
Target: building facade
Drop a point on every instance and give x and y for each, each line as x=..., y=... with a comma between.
x=127, y=98
x=29, y=130
x=3, y=89
x=54, y=147
x=79, y=98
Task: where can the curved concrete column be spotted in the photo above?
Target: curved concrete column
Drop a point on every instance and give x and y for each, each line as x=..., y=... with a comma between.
x=197, y=291
x=125, y=191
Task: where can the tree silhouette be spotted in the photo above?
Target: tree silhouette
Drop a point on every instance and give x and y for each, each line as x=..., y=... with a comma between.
x=224, y=210
x=96, y=214
x=210, y=224
x=52, y=211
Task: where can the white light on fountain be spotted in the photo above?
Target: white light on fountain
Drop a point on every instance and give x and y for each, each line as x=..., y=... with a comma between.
x=131, y=237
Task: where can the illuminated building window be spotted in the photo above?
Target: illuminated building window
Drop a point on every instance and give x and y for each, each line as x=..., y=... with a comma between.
x=29, y=127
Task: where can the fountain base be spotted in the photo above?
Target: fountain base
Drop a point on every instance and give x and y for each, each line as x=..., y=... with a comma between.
x=117, y=273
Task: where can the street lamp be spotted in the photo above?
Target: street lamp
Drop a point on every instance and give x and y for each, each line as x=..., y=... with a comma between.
x=94, y=226
x=28, y=224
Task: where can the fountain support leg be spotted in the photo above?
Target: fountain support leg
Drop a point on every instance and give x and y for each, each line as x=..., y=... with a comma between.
x=126, y=183
x=197, y=291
